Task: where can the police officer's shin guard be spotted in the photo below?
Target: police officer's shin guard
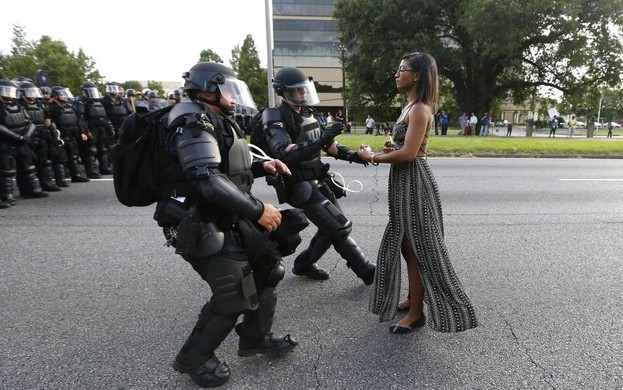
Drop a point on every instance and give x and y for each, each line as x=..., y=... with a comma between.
x=348, y=249
x=59, y=175
x=76, y=177
x=196, y=357
x=29, y=185
x=104, y=164
x=91, y=167
x=6, y=192
x=46, y=178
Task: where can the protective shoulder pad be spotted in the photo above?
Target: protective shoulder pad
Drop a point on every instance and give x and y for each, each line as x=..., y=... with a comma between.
x=271, y=115
x=183, y=109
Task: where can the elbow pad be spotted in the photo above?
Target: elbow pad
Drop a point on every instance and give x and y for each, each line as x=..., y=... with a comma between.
x=216, y=188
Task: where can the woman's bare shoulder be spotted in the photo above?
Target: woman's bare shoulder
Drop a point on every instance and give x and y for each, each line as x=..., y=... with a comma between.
x=420, y=109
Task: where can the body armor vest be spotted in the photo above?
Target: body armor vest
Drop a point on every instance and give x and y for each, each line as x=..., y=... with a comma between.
x=308, y=130
x=15, y=119
x=95, y=112
x=37, y=115
x=117, y=111
x=235, y=157
x=68, y=121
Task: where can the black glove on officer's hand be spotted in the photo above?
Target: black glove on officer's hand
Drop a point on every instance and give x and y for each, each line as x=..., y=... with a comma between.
x=332, y=132
x=24, y=139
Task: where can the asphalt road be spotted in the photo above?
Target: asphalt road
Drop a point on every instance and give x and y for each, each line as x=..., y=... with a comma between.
x=91, y=299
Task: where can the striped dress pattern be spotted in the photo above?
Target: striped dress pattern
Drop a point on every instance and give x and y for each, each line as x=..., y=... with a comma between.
x=415, y=214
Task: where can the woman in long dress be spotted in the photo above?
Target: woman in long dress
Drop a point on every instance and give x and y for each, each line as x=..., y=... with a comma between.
x=415, y=226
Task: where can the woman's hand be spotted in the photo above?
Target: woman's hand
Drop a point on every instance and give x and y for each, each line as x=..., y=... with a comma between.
x=364, y=153
x=389, y=146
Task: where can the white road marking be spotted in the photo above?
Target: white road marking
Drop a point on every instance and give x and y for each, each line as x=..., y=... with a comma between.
x=590, y=179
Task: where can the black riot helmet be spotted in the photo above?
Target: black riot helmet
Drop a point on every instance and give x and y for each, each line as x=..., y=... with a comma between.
x=46, y=90
x=112, y=89
x=28, y=90
x=130, y=92
x=61, y=93
x=90, y=91
x=293, y=86
x=217, y=78
x=8, y=90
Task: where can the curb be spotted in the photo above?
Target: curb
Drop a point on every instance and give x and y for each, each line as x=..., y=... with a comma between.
x=489, y=155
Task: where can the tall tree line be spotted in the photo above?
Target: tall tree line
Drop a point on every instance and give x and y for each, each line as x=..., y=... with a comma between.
x=489, y=50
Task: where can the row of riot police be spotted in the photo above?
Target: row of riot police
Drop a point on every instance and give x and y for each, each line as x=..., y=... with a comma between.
x=45, y=133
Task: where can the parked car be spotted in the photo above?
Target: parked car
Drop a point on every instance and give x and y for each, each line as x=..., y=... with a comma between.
x=605, y=125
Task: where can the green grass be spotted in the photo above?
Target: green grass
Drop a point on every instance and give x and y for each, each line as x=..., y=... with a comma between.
x=528, y=146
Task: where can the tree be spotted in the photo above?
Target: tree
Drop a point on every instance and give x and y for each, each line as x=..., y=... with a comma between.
x=489, y=50
x=246, y=63
x=132, y=84
x=156, y=86
x=64, y=68
x=208, y=55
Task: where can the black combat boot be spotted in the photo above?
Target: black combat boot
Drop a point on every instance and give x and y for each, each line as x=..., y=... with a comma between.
x=59, y=175
x=76, y=177
x=267, y=345
x=29, y=185
x=6, y=190
x=104, y=165
x=211, y=373
x=305, y=262
x=91, y=168
x=46, y=178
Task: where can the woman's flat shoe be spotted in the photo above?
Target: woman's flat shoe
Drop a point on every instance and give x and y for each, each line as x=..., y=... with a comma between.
x=400, y=329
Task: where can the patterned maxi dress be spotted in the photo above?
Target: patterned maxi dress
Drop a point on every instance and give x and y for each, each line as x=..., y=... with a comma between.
x=415, y=214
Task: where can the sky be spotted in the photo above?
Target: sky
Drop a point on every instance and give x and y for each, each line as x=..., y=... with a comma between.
x=139, y=40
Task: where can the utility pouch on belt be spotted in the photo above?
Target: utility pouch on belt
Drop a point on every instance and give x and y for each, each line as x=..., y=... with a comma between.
x=169, y=212
x=188, y=232
x=333, y=182
x=280, y=187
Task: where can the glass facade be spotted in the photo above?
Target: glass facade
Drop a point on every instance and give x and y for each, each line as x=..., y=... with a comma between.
x=303, y=7
x=305, y=36
x=305, y=43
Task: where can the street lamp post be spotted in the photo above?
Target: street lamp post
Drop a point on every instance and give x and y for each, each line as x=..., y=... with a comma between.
x=269, y=52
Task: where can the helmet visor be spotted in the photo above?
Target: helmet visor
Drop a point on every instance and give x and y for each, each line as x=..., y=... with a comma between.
x=92, y=93
x=8, y=91
x=32, y=93
x=302, y=94
x=112, y=88
x=237, y=91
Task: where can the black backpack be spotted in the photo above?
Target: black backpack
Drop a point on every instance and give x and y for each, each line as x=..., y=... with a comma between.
x=134, y=158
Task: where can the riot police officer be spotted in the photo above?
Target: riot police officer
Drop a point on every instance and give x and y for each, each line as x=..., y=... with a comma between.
x=294, y=135
x=45, y=140
x=130, y=100
x=115, y=106
x=206, y=160
x=93, y=112
x=15, y=150
x=67, y=121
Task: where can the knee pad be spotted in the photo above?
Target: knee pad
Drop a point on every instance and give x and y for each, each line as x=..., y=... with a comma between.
x=276, y=275
x=300, y=193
